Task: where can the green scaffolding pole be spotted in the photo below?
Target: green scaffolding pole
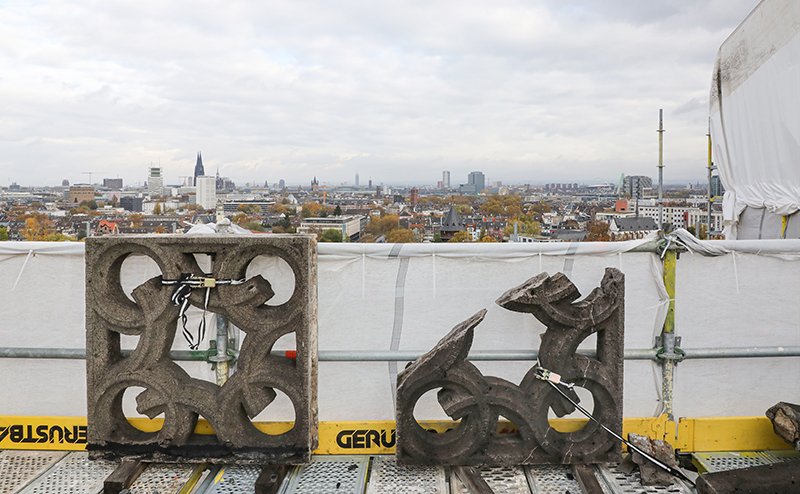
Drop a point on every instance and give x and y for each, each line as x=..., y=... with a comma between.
x=669, y=353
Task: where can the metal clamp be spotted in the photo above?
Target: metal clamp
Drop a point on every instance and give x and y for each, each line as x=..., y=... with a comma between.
x=214, y=357
x=668, y=347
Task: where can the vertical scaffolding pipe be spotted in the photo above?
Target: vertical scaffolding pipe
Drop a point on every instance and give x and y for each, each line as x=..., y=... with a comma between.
x=710, y=197
x=668, y=333
x=222, y=350
x=661, y=168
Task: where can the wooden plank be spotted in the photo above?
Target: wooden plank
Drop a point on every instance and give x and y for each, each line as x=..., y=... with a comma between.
x=123, y=476
x=586, y=478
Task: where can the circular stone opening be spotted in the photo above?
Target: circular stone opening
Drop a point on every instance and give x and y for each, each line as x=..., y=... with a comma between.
x=576, y=420
x=135, y=270
x=278, y=273
x=136, y=419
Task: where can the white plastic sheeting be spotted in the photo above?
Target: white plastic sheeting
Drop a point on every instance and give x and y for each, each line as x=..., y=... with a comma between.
x=755, y=117
x=406, y=297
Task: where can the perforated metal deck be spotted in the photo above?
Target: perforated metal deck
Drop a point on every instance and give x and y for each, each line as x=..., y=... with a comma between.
x=388, y=477
x=234, y=480
x=502, y=480
x=329, y=475
x=163, y=478
x=546, y=479
x=631, y=483
x=20, y=468
x=74, y=474
x=718, y=462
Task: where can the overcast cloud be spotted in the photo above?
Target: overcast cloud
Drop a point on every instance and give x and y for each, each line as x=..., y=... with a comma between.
x=527, y=91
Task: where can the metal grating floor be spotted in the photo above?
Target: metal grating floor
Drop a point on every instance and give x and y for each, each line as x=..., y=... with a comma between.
x=29, y=472
x=19, y=468
x=631, y=483
x=329, y=475
x=388, y=477
x=719, y=462
x=235, y=480
x=545, y=479
x=74, y=474
x=502, y=480
x=163, y=478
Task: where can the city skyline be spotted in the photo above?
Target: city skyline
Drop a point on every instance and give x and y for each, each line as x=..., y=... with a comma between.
x=527, y=92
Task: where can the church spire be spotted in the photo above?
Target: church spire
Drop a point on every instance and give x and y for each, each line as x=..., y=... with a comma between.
x=199, y=171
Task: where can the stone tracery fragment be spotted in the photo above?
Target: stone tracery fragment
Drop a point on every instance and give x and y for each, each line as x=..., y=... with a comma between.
x=478, y=401
x=168, y=389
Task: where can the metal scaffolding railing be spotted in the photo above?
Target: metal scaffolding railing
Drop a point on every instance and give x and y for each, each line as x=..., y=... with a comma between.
x=407, y=356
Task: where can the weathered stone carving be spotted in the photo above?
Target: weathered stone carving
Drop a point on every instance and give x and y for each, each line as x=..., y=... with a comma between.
x=168, y=388
x=478, y=401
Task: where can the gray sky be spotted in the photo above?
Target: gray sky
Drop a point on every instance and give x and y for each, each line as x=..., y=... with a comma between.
x=527, y=91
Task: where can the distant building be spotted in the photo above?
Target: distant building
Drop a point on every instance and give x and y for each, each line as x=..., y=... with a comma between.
x=199, y=170
x=634, y=185
x=130, y=203
x=413, y=195
x=106, y=227
x=446, y=180
x=112, y=183
x=206, y=192
x=451, y=223
x=717, y=190
x=281, y=184
x=65, y=183
x=80, y=193
x=350, y=226
x=314, y=184
x=356, y=179
x=631, y=228
x=155, y=181
x=677, y=216
x=478, y=179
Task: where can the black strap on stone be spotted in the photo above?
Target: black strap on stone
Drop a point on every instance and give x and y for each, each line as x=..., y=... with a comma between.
x=554, y=381
x=180, y=297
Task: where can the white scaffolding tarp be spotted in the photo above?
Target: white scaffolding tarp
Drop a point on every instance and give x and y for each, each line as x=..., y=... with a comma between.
x=407, y=296
x=755, y=121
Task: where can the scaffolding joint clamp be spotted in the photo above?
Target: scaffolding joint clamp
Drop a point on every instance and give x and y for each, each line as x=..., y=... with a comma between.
x=668, y=348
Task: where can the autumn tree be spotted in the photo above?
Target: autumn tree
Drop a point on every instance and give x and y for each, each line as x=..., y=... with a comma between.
x=37, y=227
x=331, y=235
x=400, y=236
x=137, y=219
x=598, y=232
x=3, y=233
x=250, y=208
x=460, y=237
x=157, y=208
x=311, y=210
x=526, y=226
x=383, y=225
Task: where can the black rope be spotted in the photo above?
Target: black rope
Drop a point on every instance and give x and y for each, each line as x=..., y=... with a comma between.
x=545, y=374
x=180, y=297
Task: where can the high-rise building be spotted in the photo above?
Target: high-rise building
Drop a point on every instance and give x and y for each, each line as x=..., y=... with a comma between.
x=477, y=179
x=206, y=191
x=717, y=190
x=446, y=179
x=199, y=170
x=281, y=184
x=155, y=181
x=634, y=186
x=112, y=183
x=357, y=183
